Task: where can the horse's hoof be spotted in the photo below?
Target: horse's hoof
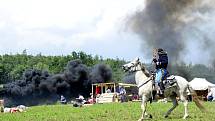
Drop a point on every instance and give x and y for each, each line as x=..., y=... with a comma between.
x=150, y=116
x=185, y=116
x=165, y=116
x=140, y=119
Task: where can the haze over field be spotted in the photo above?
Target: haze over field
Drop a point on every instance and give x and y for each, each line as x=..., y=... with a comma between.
x=123, y=28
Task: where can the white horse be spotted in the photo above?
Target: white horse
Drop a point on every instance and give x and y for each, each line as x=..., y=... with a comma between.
x=145, y=84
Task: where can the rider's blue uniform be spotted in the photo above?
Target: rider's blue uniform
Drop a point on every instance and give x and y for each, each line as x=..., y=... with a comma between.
x=161, y=67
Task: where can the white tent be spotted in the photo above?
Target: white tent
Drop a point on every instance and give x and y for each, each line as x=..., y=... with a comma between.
x=200, y=84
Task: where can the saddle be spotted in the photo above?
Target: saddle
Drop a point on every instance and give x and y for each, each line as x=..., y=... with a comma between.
x=169, y=82
x=165, y=89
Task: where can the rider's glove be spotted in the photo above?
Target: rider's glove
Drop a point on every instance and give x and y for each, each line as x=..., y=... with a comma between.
x=158, y=63
x=154, y=60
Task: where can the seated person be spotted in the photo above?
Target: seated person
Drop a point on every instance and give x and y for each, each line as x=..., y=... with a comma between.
x=108, y=90
x=122, y=93
x=210, y=95
x=135, y=97
x=91, y=100
x=63, y=99
x=81, y=99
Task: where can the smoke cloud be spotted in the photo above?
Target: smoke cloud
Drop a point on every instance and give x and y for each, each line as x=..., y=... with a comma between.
x=100, y=73
x=40, y=87
x=185, y=28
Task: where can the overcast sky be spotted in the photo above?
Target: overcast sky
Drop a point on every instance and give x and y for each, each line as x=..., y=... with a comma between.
x=58, y=27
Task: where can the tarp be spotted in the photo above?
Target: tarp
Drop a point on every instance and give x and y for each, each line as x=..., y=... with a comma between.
x=201, y=84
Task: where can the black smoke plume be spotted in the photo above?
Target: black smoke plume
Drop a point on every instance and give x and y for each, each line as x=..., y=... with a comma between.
x=185, y=28
x=100, y=73
x=40, y=87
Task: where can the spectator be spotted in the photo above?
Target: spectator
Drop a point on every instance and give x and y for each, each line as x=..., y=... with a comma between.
x=108, y=90
x=210, y=95
x=135, y=96
x=81, y=99
x=98, y=90
x=63, y=99
x=91, y=100
x=122, y=94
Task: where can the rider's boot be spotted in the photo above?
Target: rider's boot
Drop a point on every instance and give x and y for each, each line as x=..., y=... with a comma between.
x=154, y=92
x=161, y=85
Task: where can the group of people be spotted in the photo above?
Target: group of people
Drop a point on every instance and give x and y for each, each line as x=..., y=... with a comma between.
x=80, y=99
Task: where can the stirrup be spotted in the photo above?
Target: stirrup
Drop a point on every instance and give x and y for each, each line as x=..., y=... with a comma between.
x=161, y=92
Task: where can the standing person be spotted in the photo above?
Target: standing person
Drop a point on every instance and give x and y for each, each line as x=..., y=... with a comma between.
x=98, y=90
x=160, y=59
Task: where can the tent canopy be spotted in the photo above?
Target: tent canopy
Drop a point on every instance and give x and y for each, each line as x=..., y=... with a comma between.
x=200, y=84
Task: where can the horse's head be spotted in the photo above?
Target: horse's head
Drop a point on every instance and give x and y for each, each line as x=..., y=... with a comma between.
x=131, y=66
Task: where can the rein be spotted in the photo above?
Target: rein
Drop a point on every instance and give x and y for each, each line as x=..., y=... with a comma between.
x=145, y=82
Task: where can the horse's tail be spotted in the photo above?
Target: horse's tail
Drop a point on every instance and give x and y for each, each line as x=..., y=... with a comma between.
x=196, y=99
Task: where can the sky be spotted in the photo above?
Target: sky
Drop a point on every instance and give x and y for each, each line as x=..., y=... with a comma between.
x=58, y=27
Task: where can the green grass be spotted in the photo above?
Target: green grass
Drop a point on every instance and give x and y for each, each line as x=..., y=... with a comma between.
x=109, y=112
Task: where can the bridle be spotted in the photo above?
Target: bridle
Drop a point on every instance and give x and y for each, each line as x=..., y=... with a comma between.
x=136, y=69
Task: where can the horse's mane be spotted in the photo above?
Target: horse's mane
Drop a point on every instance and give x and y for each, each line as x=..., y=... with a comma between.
x=145, y=71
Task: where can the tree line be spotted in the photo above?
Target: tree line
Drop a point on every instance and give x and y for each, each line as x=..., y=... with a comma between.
x=12, y=66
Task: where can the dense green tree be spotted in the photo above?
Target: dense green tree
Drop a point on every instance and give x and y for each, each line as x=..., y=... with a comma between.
x=13, y=66
x=17, y=72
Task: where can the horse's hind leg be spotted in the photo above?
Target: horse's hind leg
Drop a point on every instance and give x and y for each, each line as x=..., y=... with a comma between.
x=185, y=109
x=185, y=101
x=175, y=104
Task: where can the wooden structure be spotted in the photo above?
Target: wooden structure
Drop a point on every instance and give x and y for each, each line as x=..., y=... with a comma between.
x=109, y=92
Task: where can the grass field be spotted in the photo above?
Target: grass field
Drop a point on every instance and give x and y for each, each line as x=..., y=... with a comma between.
x=109, y=112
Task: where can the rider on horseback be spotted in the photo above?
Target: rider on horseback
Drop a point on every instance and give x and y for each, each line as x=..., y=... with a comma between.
x=160, y=59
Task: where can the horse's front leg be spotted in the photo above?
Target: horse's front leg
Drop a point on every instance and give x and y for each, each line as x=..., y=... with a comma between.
x=175, y=104
x=143, y=107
